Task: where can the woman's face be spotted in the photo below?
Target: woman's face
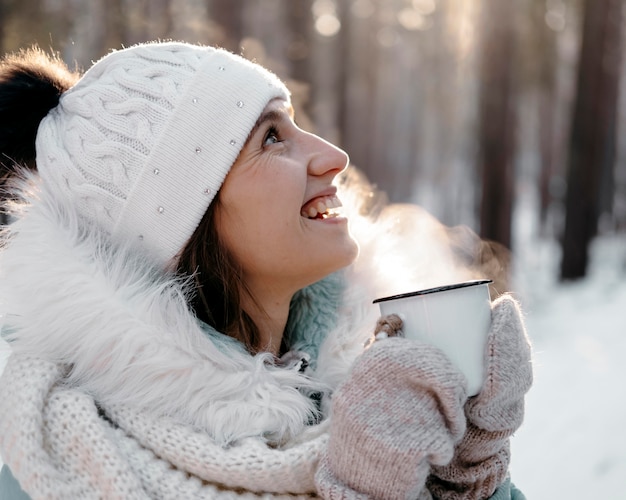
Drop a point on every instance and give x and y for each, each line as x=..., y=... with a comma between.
x=276, y=212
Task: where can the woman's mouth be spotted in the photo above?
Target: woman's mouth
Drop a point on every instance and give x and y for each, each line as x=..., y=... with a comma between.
x=323, y=207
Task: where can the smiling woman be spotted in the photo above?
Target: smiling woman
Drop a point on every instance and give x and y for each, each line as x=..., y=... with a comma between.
x=281, y=172
x=185, y=302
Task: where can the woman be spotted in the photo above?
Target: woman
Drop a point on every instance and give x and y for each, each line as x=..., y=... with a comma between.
x=186, y=308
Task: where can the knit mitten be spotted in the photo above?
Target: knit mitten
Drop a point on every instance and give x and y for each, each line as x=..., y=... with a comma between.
x=481, y=459
x=400, y=410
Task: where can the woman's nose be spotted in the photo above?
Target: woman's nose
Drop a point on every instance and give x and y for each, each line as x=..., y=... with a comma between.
x=325, y=157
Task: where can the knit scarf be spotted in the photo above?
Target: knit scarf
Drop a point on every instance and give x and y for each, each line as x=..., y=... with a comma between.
x=60, y=444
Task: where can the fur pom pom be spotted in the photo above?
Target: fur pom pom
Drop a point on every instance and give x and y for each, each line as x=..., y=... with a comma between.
x=31, y=84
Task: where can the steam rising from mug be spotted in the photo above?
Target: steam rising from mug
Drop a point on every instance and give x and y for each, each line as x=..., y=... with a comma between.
x=412, y=249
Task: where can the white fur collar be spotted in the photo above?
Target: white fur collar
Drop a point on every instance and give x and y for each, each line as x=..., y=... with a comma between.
x=126, y=335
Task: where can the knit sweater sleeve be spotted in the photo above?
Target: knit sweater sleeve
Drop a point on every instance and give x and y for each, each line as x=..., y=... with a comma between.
x=9, y=487
x=507, y=491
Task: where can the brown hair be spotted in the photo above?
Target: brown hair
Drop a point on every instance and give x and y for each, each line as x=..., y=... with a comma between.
x=218, y=281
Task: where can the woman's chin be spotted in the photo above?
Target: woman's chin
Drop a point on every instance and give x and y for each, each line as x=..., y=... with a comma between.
x=354, y=250
x=343, y=254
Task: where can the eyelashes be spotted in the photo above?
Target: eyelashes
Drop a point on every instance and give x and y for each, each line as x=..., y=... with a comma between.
x=272, y=135
x=278, y=128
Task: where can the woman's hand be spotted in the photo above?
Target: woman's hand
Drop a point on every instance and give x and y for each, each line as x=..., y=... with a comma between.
x=481, y=459
x=399, y=411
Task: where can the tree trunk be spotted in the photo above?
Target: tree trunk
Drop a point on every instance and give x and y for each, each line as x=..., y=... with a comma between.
x=2, y=18
x=3, y=216
x=497, y=121
x=592, y=139
x=298, y=51
x=299, y=20
x=227, y=14
x=358, y=114
x=114, y=25
x=547, y=89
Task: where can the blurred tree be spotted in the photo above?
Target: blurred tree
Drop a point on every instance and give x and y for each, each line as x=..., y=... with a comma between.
x=345, y=48
x=326, y=69
x=393, y=147
x=147, y=20
x=227, y=15
x=298, y=51
x=543, y=43
x=114, y=25
x=592, y=139
x=22, y=22
x=399, y=84
x=300, y=21
x=88, y=27
x=360, y=67
x=497, y=119
x=2, y=20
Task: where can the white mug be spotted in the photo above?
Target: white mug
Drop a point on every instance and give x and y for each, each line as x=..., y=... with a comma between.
x=455, y=318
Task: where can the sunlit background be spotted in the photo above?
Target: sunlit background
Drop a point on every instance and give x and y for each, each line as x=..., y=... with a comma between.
x=505, y=116
x=465, y=107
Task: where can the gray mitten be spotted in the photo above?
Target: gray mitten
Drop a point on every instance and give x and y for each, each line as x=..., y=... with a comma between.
x=481, y=459
x=399, y=411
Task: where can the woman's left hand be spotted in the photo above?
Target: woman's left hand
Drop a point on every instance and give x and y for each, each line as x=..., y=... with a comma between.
x=481, y=459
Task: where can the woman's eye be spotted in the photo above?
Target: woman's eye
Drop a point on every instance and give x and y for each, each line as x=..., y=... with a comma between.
x=271, y=137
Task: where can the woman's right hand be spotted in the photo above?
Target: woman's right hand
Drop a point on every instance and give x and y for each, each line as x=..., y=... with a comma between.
x=399, y=411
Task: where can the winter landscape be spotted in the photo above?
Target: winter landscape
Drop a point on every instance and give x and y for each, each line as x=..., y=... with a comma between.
x=572, y=444
x=399, y=84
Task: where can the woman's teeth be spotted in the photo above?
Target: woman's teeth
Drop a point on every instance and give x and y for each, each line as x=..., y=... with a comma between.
x=322, y=208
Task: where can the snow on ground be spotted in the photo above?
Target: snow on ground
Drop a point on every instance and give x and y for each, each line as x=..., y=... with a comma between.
x=573, y=442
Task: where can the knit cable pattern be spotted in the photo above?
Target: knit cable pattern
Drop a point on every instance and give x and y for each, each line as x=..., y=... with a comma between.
x=142, y=143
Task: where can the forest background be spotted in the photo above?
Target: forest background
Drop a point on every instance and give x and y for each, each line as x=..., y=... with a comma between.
x=464, y=107
x=506, y=117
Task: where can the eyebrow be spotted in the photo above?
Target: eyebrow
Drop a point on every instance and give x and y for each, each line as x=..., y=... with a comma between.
x=272, y=115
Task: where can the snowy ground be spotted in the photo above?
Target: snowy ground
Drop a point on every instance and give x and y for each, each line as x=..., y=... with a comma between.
x=573, y=442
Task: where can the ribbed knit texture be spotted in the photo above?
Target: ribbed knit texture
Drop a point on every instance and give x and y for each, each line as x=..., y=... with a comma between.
x=481, y=459
x=400, y=411
x=142, y=143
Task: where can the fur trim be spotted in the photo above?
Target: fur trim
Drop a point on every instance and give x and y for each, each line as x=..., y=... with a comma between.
x=126, y=335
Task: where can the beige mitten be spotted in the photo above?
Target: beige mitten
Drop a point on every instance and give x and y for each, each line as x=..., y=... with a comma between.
x=400, y=410
x=481, y=459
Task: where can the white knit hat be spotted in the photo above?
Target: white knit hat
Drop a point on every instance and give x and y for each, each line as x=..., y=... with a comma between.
x=142, y=143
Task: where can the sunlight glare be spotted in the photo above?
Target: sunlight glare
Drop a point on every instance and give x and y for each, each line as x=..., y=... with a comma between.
x=327, y=25
x=424, y=7
x=411, y=20
x=363, y=9
x=323, y=7
x=555, y=20
x=555, y=15
x=387, y=36
x=465, y=28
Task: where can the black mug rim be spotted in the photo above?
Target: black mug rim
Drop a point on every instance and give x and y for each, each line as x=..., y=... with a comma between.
x=444, y=288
